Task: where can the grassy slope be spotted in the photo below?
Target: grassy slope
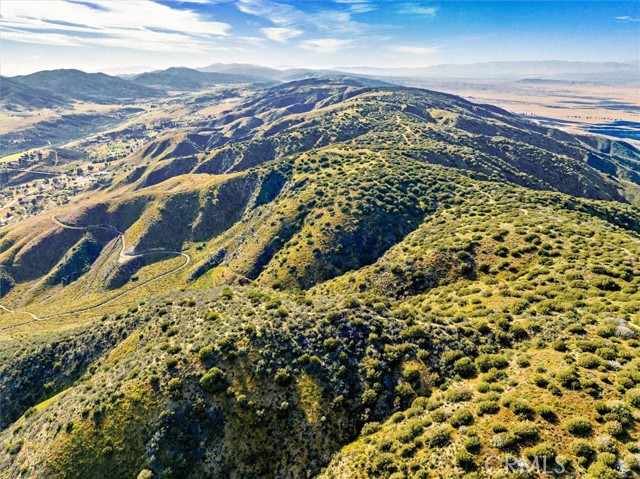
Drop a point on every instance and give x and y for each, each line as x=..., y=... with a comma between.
x=408, y=268
x=519, y=304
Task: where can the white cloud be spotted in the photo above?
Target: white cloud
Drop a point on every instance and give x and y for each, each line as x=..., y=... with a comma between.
x=417, y=9
x=358, y=6
x=141, y=25
x=277, y=13
x=281, y=34
x=627, y=18
x=416, y=50
x=325, y=45
x=285, y=15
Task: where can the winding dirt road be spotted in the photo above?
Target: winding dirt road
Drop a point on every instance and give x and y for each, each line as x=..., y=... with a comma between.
x=122, y=257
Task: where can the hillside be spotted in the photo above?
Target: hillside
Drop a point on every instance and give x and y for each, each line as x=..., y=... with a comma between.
x=16, y=96
x=432, y=127
x=189, y=79
x=78, y=85
x=331, y=279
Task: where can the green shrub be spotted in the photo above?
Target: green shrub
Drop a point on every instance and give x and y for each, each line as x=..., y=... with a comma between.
x=440, y=436
x=613, y=411
x=546, y=413
x=206, y=353
x=522, y=409
x=607, y=353
x=582, y=448
x=541, y=452
x=483, y=387
x=461, y=417
x=589, y=361
x=526, y=432
x=465, y=368
x=607, y=458
x=539, y=380
x=369, y=397
x=559, y=345
x=458, y=395
x=487, y=407
x=614, y=428
x=504, y=441
x=452, y=356
x=498, y=427
x=14, y=447
x=606, y=284
x=411, y=373
x=568, y=378
x=485, y=362
x=214, y=380
x=282, y=377
x=465, y=460
x=171, y=362
x=473, y=444
x=439, y=415
x=174, y=386
x=404, y=390
x=600, y=470
x=370, y=428
x=606, y=330
x=633, y=397
x=578, y=426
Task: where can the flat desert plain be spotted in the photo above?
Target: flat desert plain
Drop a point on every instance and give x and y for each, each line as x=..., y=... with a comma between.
x=606, y=108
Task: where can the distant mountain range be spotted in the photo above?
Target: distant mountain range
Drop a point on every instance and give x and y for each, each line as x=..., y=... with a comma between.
x=290, y=74
x=181, y=78
x=78, y=85
x=53, y=88
x=558, y=70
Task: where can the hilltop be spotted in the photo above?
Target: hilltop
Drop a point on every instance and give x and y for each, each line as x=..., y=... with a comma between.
x=433, y=127
x=78, y=85
x=189, y=79
x=332, y=279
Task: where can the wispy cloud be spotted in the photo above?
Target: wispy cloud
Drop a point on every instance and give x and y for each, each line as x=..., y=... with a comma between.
x=140, y=25
x=286, y=15
x=418, y=9
x=416, y=50
x=281, y=34
x=479, y=36
x=278, y=13
x=626, y=18
x=325, y=45
x=357, y=6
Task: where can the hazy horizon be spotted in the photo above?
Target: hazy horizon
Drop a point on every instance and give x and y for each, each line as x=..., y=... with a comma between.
x=121, y=37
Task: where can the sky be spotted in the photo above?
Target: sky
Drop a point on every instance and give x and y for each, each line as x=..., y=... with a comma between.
x=119, y=36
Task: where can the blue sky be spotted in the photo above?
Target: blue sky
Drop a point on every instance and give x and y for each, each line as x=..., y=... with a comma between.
x=114, y=35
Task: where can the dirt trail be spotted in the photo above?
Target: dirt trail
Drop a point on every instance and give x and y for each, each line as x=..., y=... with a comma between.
x=121, y=258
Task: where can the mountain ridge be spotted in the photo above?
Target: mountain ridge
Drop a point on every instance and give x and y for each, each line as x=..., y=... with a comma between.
x=383, y=282
x=78, y=85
